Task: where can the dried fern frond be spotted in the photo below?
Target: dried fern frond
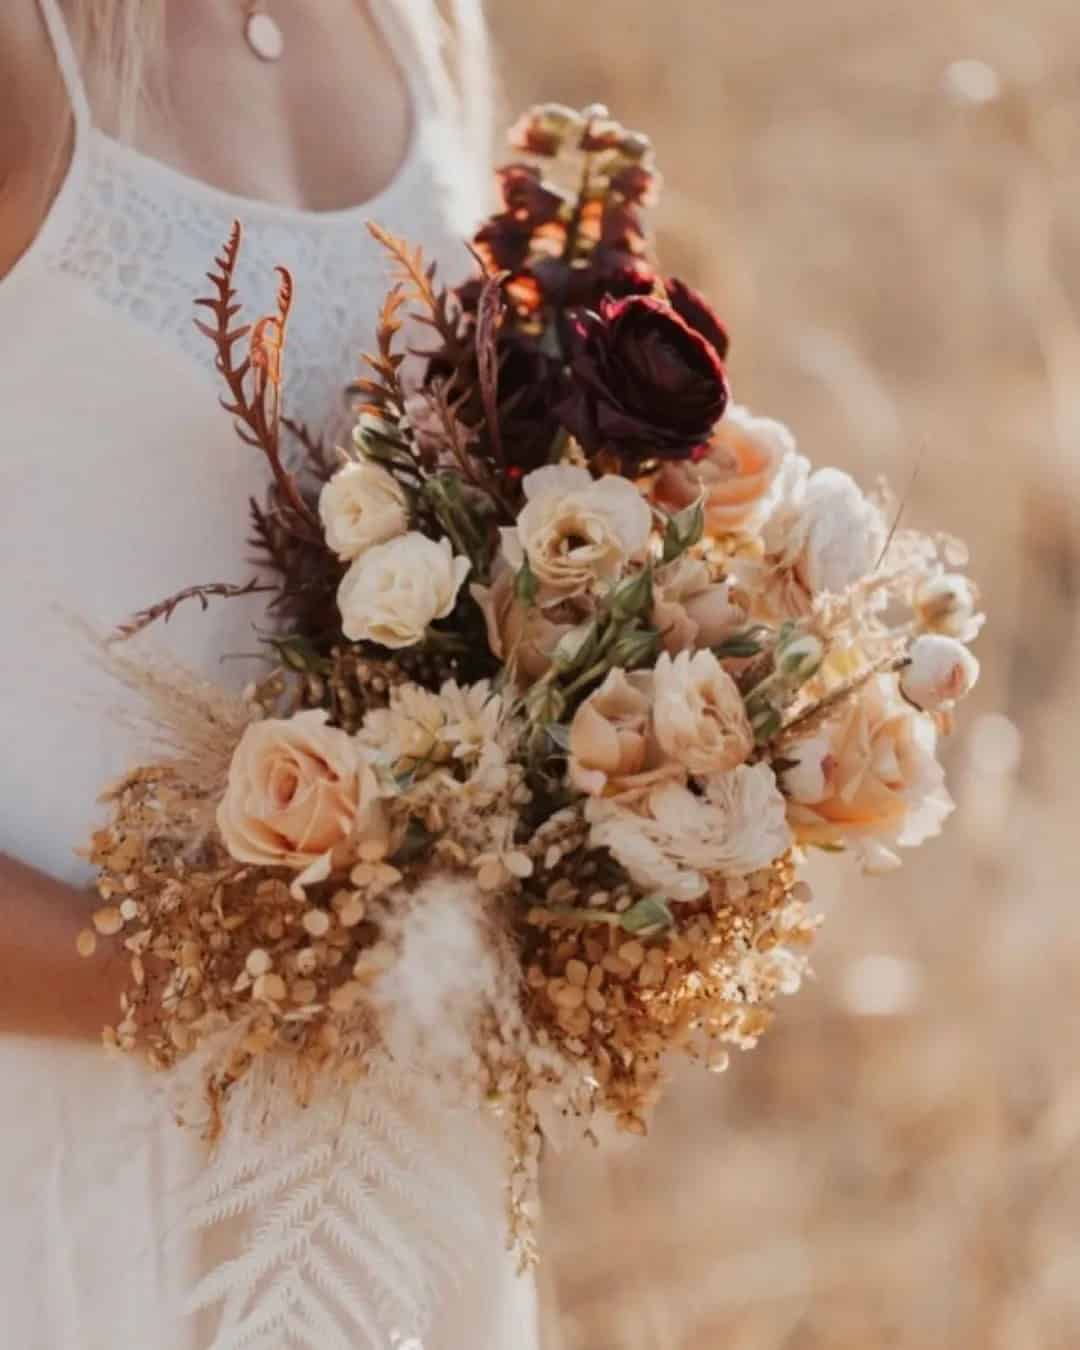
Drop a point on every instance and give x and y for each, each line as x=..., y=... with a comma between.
x=165, y=609
x=257, y=414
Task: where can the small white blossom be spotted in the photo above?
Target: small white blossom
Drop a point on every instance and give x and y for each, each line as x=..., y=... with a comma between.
x=941, y=671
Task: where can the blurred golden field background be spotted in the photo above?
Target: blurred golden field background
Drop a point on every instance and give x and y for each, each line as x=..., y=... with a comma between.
x=884, y=202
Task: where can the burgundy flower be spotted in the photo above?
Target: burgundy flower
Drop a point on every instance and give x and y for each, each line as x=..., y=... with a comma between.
x=646, y=384
x=504, y=241
x=692, y=307
x=531, y=386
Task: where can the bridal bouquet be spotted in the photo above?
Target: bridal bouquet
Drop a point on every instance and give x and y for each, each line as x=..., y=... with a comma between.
x=572, y=652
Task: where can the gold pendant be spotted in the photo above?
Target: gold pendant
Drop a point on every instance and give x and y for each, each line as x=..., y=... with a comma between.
x=264, y=36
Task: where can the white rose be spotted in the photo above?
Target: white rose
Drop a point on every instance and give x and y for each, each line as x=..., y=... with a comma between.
x=674, y=841
x=576, y=530
x=941, y=670
x=698, y=713
x=949, y=604
x=393, y=591
x=362, y=505
x=823, y=536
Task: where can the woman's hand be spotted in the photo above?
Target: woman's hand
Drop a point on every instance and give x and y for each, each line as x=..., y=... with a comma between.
x=46, y=987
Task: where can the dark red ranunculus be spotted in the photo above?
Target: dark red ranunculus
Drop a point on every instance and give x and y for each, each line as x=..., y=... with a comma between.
x=531, y=386
x=645, y=383
x=692, y=307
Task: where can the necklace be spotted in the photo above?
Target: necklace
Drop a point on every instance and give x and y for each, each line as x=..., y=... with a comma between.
x=263, y=33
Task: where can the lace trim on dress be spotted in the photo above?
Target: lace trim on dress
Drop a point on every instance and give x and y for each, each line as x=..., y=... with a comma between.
x=142, y=235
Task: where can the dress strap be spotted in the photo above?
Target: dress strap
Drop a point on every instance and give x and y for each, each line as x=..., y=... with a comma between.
x=67, y=60
x=415, y=33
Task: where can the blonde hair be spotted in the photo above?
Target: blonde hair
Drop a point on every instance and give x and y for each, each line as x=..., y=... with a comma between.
x=117, y=40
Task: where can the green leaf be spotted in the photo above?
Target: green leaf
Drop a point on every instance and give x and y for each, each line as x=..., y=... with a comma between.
x=559, y=735
x=298, y=654
x=649, y=915
x=750, y=642
x=684, y=530
x=633, y=597
x=635, y=647
x=526, y=585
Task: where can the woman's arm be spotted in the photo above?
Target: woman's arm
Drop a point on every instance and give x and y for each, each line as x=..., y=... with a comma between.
x=35, y=125
x=46, y=987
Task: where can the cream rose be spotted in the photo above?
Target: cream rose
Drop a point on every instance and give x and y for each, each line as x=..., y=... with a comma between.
x=698, y=714
x=362, y=505
x=524, y=636
x=393, y=591
x=675, y=840
x=870, y=777
x=823, y=536
x=736, y=474
x=612, y=747
x=298, y=790
x=576, y=531
x=690, y=609
x=940, y=671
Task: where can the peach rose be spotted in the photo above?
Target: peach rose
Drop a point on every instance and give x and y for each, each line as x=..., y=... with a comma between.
x=698, y=713
x=690, y=609
x=298, y=790
x=526, y=636
x=870, y=777
x=612, y=746
x=736, y=474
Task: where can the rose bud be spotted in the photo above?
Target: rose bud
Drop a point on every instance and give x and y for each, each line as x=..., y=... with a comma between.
x=695, y=310
x=940, y=671
x=646, y=383
x=947, y=604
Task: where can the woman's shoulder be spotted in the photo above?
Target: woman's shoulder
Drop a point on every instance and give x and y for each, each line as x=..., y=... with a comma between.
x=34, y=121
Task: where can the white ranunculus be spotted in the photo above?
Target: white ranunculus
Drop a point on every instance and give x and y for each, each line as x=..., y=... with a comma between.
x=824, y=534
x=361, y=506
x=698, y=713
x=674, y=841
x=395, y=590
x=576, y=530
x=941, y=670
x=949, y=604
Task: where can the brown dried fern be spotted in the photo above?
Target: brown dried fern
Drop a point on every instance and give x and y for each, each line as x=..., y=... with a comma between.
x=258, y=415
x=165, y=609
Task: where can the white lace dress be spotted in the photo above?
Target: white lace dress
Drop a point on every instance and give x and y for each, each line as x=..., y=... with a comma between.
x=121, y=481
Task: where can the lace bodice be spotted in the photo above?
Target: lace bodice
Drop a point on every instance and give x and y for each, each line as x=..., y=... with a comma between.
x=143, y=236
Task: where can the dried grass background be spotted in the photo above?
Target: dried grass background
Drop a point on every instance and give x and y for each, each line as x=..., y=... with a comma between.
x=895, y=241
